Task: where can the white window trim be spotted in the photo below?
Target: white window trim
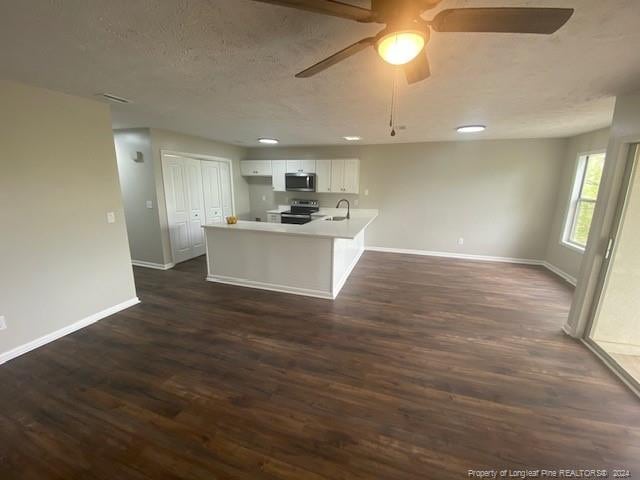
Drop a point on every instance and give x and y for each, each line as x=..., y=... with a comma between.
x=574, y=194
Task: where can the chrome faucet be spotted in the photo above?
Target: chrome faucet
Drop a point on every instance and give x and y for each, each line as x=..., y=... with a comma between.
x=348, y=206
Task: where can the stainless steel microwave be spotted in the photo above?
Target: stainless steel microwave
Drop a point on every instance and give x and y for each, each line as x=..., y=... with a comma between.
x=300, y=182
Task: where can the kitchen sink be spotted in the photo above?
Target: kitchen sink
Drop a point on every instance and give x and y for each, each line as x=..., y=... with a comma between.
x=335, y=219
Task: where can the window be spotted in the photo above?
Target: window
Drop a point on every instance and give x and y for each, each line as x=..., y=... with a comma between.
x=583, y=200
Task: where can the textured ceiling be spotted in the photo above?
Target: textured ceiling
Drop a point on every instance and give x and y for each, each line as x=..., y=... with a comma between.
x=223, y=69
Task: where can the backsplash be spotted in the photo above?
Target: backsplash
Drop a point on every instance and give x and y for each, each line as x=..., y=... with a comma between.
x=263, y=198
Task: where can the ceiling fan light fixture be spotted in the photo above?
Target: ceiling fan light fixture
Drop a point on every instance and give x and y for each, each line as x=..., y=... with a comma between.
x=401, y=46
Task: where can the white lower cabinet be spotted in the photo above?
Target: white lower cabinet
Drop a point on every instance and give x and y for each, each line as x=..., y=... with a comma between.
x=274, y=218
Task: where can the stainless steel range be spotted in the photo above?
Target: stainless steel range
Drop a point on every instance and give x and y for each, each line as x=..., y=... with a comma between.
x=300, y=212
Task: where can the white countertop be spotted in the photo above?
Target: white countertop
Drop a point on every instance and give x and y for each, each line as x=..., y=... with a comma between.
x=319, y=227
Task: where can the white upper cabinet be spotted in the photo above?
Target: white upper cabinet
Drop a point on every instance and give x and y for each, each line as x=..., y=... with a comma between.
x=323, y=176
x=255, y=168
x=351, y=180
x=345, y=175
x=279, y=168
x=306, y=166
x=337, y=176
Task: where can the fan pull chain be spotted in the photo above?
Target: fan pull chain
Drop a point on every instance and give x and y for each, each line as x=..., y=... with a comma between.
x=394, y=103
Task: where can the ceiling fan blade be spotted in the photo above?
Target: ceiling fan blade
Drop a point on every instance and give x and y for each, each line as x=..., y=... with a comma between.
x=418, y=69
x=502, y=20
x=327, y=7
x=337, y=57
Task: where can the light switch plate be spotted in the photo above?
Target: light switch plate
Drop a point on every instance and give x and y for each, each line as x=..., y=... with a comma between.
x=3, y=323
x=111, y=217
x=461, y=241
x=149, y=204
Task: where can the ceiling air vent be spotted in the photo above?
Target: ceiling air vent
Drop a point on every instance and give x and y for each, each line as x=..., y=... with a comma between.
x=113, y=98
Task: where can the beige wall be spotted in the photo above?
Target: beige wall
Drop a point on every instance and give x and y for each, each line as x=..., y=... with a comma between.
x=500, y=196
x=60, y=261
x=566, y=259
x=137, y=180
x=178, y=142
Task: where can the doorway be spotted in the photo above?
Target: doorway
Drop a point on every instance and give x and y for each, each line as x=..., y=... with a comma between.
x=198, y=190
x=614, y=330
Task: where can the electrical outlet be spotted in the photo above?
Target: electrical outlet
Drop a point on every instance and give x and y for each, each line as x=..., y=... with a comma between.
x=366, y=192
x=461, y=241
x=149, y=204
x=264, y=198
x=356, y=202
x=3, y=323
x=111, y=217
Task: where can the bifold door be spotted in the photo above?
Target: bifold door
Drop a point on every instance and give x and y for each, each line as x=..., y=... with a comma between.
x=196, y=192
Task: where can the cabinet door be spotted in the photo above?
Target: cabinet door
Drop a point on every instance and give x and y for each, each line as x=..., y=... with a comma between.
x=337, y=176
x=351, y=182
x=248, y=168
x=273, y=217
x=255, y=168
x=212, y=192
x=308, y=166
x=323, y=175
x=279, y=168
x=294, y=166
x=263, y=167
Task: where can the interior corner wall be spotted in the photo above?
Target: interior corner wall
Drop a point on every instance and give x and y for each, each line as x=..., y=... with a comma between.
x=178, y=142
x=560, y=256
x=499, y=195
x=61, y=263
x=137, y=181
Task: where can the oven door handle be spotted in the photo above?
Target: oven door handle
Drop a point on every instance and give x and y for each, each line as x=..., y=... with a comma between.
x=291, y=215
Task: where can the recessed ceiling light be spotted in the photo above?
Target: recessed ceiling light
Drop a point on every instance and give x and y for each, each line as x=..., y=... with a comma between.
x=471, y=129
x=268, y=141
x=352, y=138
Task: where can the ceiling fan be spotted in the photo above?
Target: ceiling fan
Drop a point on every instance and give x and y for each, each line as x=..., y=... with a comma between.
x=403, y=40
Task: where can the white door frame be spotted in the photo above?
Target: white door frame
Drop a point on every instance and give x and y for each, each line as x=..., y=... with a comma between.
x=196, y=156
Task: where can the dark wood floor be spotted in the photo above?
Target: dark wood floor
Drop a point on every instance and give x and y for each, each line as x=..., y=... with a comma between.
x=423, y=368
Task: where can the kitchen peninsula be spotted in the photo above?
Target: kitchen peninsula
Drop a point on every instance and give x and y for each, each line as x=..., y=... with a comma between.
x=314, y=259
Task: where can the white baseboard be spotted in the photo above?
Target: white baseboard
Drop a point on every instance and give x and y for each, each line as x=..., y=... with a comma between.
x=156, y=266
x=239, y=282
x=343, y=280
x=462, y=256
x=482, y=258
x=560, y=273
x=38, y=342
